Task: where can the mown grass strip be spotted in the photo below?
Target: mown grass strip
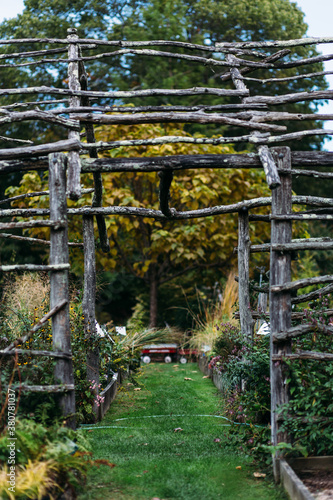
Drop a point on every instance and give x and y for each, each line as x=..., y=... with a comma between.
x=174, y=453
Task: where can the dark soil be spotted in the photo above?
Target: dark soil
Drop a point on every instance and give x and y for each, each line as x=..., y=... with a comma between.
x=318, y=482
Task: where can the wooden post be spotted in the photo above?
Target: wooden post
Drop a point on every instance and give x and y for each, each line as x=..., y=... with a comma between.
x=89, y=298
x=74, y=165
x=59, y=282
x=244, y=244
x=280, y=303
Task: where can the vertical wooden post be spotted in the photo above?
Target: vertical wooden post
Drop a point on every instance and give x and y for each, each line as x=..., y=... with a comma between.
x=74, y=165
x=244, y=243
x=59, y=281
x=89, y=298
x=280, y=303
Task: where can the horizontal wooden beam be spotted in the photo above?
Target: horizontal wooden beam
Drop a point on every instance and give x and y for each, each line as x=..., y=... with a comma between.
x=290, y=247
x=32, y=223
x=318, y=356
x=316, y=294
x=13, y=162
x=34, y=268
x=297, y=331
x=297, y=244
x=295, y=285
x=40, y=150
x=45, y=388
x=35, y=241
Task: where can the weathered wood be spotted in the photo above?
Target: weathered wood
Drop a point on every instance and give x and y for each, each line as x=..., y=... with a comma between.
x=74, y=165
x=59, y=282
x=246, y=69
x=323, y=463
x=32, y=223
x=35, y=194
x=303, y=283
x=170, y=117
x=293, y=216
x=318, y=356
x=32, y=53
x=280, y=304
x=123, y=94
x=178, y=162
x=211, y=61
x=62, y=388
x=34, y=352
x=89, y=299
x=34, y=267
x=244, y=109
x=27, y=104
x=164, y=192
x=272, y=176
x=18, y=141
x=288, y=78
x=41, y=149
x=35, y=241
x=304, y=245
x=268, y=163
x=37, y=326
x=297, y=42
x=244, y=243
x=218, y=47
x=20, y=116
x=299, y=330
x=288, y=98
x=168, y=139
x=301, y=216
x=98, y=184
x=157, y=214
x=296, y=244
x=295, y=488
x=312, y=295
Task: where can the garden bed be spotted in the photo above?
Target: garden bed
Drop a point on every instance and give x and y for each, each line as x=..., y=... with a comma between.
x=308, y=478
x=217, y=379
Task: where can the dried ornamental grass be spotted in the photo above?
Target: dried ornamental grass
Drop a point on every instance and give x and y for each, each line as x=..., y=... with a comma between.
x=23, y=296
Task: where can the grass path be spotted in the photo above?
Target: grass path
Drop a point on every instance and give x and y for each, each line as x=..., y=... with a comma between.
x=154, y=460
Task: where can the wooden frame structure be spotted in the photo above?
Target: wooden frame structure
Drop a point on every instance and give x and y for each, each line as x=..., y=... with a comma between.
x=71, y=108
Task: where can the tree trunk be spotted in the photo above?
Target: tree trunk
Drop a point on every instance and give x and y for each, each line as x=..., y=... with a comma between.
x=153, y=296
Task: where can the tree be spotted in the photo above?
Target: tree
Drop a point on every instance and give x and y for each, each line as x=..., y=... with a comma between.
x=156, y=252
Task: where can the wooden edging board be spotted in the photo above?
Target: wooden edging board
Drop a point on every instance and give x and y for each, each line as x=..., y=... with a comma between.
x=293, y=485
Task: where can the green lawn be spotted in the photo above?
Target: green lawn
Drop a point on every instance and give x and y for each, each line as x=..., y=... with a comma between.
x=155, y=460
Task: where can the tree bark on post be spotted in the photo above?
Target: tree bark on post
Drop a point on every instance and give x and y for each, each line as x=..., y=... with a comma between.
x=244, y=244
x=88, y=302
x=74, y=164
x=60, y=283
x=280, y=303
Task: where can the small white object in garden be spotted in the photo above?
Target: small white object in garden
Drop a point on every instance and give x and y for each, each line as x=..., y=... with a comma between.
x=265, y=329
x=120, y=330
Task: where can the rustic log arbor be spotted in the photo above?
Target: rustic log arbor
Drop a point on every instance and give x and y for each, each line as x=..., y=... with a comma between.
x=261, y=126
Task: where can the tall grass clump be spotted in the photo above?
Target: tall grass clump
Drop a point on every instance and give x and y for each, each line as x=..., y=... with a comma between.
x=23, y=296
x=209, y=318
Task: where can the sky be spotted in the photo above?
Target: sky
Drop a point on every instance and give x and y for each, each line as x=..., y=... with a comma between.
x=318, y=16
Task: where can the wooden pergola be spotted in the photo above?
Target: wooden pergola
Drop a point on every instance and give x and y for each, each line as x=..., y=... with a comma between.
x=266, y=130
